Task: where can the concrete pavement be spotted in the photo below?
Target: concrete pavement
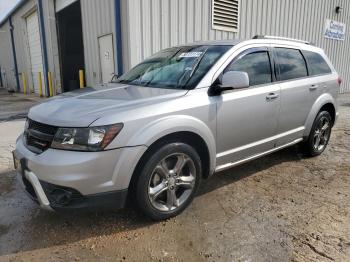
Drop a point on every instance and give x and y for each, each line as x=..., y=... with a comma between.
x=16, y=105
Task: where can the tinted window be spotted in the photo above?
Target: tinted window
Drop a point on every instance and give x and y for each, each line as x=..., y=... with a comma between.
x=257, y=66
x=316, y=63
x=291, y=64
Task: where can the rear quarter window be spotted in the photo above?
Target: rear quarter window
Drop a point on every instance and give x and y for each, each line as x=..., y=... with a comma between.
x=316, y=64
x=291, y=64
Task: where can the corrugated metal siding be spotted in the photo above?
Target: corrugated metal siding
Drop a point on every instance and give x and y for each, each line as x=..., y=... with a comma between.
x=6, y=57
x=21, y=41
x=61, y=4
x=97, y=20
x=156, y=24
x=52, y=43
x=22, y=48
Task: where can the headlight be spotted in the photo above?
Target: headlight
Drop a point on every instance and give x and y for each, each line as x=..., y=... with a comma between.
x=85, y=139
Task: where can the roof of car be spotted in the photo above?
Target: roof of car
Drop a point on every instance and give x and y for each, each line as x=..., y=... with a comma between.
x=218, y=42
x=261, y=40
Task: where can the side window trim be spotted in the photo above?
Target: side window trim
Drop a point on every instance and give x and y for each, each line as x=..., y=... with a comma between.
x=255, y=50
x=273, y=64
x=308, y=64
x=278, y=71
x=246, y=52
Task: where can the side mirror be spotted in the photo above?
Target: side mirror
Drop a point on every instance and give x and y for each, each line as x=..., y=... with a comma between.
x=114, y=77
x=233, y=80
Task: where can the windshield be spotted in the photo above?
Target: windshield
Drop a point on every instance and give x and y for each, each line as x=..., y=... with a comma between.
x=177, y=68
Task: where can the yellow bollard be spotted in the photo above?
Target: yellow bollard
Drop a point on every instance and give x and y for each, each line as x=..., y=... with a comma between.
x=81, y=78
x=50, y=83
x=40, y=84
x=24, y=79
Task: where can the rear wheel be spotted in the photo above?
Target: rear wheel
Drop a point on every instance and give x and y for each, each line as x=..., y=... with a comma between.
x=168, y=181
x=319, y=135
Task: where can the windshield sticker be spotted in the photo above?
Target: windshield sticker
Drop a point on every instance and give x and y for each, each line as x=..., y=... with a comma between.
x=191, y=54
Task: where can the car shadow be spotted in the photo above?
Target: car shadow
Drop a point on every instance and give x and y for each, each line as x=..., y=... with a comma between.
x=28, y=228
x=234, y=174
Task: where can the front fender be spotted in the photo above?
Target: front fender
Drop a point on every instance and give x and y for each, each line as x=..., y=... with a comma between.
x=321, y=101
x=161, y=127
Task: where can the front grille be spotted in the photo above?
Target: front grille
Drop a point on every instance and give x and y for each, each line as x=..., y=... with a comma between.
x=38, y=136
x=47, y=129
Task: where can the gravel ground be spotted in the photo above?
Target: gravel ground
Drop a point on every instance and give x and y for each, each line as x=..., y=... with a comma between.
x=283, y=207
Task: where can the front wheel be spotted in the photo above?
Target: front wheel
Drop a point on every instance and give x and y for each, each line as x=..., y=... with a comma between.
x=319, y=135
x=168, y=180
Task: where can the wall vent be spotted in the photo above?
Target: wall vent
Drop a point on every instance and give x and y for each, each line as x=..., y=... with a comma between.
x=225, y=15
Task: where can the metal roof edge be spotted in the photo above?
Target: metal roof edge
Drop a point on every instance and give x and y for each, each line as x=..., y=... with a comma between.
x=13, y=10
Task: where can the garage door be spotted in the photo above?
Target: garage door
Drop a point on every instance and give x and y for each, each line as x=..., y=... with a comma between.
x=36, y=59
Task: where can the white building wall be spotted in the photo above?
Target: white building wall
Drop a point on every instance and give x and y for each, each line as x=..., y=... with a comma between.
x=21, y=42
x=151, y=25
x=6, y=57
x=156, y=24
x=22, y=48
x=52, y=43
x=97, y=20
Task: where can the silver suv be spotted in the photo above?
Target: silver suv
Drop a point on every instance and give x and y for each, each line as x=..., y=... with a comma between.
x=178, y=117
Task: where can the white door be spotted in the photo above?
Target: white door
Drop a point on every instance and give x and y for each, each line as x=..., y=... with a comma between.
x=34, y=42
x=106, y=57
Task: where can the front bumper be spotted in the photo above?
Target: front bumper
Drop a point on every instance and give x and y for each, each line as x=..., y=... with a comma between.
x=35, y=190
x=58, y=179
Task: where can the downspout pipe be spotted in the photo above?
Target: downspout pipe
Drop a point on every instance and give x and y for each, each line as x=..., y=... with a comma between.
x=118, y=32
x=14, y=54
x=43, y=46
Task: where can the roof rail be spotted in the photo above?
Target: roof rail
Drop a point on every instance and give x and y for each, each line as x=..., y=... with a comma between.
x=281, y=38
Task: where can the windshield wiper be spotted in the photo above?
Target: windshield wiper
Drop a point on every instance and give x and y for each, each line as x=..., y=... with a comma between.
x=121, y=81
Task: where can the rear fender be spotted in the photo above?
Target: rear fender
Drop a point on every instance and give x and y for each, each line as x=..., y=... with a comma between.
x=321, y=101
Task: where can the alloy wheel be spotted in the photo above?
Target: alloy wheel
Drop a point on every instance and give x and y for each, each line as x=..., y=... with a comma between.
x=321, y=134
x=172, y=182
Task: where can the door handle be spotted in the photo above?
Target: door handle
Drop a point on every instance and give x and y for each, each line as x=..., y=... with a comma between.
x=313, y=87
x=271, y=96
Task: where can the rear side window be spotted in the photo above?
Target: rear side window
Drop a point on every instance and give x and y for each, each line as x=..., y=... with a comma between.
x=257, y=66
x=316, y=64
x=291, y=64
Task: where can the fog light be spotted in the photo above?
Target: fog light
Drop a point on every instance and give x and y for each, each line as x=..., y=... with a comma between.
x=61, y=196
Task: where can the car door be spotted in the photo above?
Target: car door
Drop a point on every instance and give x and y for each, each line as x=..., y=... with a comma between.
x=247, y=118
x=297, y=93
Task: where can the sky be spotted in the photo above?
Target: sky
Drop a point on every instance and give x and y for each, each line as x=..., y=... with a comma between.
x=6, y=6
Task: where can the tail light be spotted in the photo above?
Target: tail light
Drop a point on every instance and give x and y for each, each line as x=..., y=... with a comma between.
x=339, y=80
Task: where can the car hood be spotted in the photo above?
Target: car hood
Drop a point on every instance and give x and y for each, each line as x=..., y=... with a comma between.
x=82, y=107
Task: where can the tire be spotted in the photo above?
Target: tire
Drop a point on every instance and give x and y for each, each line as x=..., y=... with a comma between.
x=162, y=189
x=319, y=135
